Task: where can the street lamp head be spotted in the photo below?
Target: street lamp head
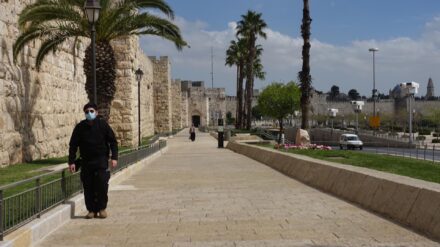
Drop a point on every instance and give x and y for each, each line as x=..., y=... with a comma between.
x=373, y=49
x=92, y=8
x=139, y=73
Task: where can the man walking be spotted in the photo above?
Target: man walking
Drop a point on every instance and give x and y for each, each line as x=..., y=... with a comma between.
x=95, y=140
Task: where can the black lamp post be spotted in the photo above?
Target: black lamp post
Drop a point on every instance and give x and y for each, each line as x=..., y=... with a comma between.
x=92, y=8
x=139, y=73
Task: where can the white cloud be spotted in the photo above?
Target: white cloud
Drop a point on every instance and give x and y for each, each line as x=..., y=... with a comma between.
x=399, y=59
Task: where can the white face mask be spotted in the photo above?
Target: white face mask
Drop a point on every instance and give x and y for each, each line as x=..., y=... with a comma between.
x=90, y=115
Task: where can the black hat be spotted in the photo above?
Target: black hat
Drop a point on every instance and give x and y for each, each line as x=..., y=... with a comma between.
x=90, y=105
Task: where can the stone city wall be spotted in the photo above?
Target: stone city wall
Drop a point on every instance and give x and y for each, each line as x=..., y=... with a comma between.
x=176, y=104
x=184, y=109
x=162, y=94
x=217, y=104
x=124, y=117
x=198, y=105
x=38, y=110
x=319, y=106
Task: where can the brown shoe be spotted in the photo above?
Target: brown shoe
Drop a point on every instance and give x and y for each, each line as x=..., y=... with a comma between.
x=90, y=215
x=102, y=214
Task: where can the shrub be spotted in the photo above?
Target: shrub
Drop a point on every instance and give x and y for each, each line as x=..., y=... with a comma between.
x=435, y=141
x=436, y=134
x=424, y=131
x=393, y=133
x=421, y=138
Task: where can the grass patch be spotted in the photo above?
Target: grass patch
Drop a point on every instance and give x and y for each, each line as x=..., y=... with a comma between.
x=23, y=171
x=419, y=169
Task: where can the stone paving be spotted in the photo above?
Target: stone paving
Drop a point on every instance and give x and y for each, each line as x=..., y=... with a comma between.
x=199, y=195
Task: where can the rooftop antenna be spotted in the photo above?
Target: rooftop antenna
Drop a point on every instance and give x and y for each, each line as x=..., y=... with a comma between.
x=212, y=68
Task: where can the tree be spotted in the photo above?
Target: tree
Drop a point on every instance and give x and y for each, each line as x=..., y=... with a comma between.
x=56, y=21
x=434, y=117
x=279, y=100
x=256, y=112
x=353, y=94
x=304, y=75
x=250, y=27
x=235, y=55
x=334, y=92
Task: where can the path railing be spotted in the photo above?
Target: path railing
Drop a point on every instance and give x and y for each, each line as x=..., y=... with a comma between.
x=25, y=200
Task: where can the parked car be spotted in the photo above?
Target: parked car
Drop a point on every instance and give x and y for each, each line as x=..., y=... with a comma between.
x=350, y=141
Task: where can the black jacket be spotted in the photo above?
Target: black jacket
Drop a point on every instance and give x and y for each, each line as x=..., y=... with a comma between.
x=94, y=141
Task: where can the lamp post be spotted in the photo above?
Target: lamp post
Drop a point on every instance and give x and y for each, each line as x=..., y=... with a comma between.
x=92, y=8
x=374, y=80
x=139, y=73
x=410, y=88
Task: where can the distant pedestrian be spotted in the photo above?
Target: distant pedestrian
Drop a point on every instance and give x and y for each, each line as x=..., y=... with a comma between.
x=95, y=139
x=192, y=132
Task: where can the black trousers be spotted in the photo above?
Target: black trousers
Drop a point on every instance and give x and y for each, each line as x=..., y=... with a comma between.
x=95, y=184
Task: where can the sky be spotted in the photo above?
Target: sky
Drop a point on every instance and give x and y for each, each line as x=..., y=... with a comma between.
x=406, y=32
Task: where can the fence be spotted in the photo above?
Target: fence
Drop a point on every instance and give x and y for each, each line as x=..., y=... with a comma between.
x=25, y=200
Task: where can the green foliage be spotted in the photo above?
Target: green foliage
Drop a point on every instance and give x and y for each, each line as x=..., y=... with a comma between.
x=435, y=141
x=353, y=94
x=279, y=100
x=54, y=22
x=421, y=138
x=256, y=112
x=424, y=131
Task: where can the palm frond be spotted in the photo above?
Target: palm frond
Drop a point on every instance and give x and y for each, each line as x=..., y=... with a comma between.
x=46, y=47
x=154, y=4
x=47, y=12
x=149, y=24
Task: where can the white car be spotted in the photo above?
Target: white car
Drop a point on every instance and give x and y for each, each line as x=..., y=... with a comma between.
x=350, y=141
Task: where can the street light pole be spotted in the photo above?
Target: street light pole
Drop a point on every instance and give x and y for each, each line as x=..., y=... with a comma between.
x=411, y=88
x=139, y=73
x=410, y=96
x=92, y=8
x=95, y=96
x=374, y=80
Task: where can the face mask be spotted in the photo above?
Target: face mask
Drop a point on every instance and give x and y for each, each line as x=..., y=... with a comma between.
x=90, y=116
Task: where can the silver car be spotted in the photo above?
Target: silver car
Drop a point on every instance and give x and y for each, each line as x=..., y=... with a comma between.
x=350, y=141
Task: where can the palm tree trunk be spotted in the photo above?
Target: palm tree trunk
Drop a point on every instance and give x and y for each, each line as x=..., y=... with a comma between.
x=240, y=96
x=249, y=81
x=105, y=76
x=237, y=104
x=304, y=74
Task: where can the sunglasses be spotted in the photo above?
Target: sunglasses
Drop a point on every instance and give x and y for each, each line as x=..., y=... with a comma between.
x=87, y=111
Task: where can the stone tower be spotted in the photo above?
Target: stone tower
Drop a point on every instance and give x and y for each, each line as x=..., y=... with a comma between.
x=430, y=89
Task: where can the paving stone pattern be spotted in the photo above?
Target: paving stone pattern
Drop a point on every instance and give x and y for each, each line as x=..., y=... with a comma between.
x=199, y=195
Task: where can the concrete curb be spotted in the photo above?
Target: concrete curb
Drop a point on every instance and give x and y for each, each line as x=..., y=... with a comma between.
x=411, y=202
x=38, y=229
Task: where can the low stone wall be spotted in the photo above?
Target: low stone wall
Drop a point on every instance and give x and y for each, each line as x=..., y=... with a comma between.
x=408, y=201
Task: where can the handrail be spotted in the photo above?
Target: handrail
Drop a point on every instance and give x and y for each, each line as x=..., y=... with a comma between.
x=31, y=179
x=44, y=196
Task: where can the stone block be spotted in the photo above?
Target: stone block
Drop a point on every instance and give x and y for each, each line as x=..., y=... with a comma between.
x=425, y=212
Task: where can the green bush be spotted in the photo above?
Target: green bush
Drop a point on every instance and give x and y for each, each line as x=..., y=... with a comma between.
x=436, y=141
x=436, y=134
x=421, y=138
x=424, y=131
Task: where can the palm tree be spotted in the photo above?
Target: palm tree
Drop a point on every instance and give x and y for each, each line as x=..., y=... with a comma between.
x=235, y=55
x=250, y=27
x=55, y=21
x=304, y=75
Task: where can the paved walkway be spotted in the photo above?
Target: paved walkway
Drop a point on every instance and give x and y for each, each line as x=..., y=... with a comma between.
x=198, y=195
